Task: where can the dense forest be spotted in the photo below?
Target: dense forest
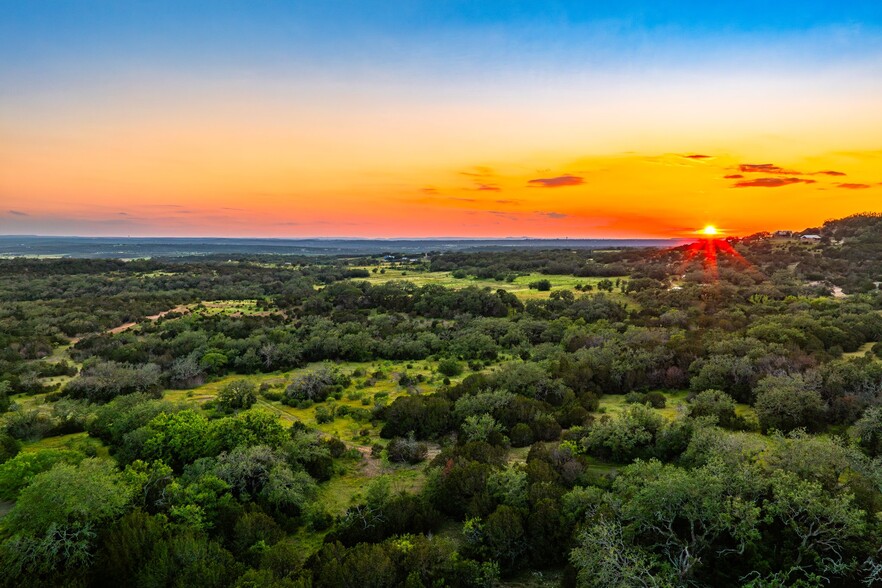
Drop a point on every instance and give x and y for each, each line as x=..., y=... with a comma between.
x=704, y=415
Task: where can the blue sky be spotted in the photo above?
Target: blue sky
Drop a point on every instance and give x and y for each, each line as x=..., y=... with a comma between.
x=322, y=116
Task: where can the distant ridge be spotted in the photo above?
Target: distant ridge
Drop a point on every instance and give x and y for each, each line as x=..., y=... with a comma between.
x=140, y=247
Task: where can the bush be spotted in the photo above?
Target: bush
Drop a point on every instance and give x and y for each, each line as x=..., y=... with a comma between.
x=314, y=386
x=238, y=394
x=449, y=367
x=324, y=414
x=103, y=381
x=655, y=399
x=29, y=425
x=406, y=450
x=868, y=431
x=5, y=389
x=541, y=285
x=714, y=403
x=9, y=447
x=521, y=435
x=271, y=394
x=630, y=436
x=786, y=403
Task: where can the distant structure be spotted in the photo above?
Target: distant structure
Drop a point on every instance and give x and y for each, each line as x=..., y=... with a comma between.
x=810, y=238
x=783, y=233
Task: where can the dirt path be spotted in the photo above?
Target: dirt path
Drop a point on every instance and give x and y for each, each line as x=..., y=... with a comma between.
x=181, y=308
x=838, y=293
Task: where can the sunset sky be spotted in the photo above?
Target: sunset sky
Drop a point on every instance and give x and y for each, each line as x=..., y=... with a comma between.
x=435, y=119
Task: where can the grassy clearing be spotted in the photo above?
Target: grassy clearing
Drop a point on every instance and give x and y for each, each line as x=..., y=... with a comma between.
x=862, y=350
x=613, y=404
x=519, y=287
x=229, y=308
x=72, y=441
x=364, y=393
x=343, y=491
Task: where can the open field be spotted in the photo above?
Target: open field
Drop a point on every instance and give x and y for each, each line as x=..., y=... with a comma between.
x=519, y=287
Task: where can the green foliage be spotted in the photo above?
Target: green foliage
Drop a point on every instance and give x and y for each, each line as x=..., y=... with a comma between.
x=716, y=404
x=177, y=439
x=786, y=403
x=9, y=447
x=70, y=495
x=315, y=386
x=238, y=394
x=5, y=390
x=406, y=450
x=105, y=380
x=868, y=431
x=449, y=367
x=632, y=435
x=17, y=473
x=481, y=427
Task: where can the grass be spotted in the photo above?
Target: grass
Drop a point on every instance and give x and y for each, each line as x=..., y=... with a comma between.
x=229, y=308
x=613, y=404
x=349, y=488
x=862, y=350
x=343, y=427
x=519, y=287
x=71, y=441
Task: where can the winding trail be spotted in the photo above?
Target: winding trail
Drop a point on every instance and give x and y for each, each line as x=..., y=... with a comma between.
x=181, y=308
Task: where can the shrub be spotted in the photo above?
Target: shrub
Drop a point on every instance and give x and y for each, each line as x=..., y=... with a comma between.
x=786, y=403
x=238, y=394
x=521, y=435
x=315, y=386
x=655, y=399
x=324, y=414
x=406, y=450
x=106, y=380
x=714, y=403
x=449, y=367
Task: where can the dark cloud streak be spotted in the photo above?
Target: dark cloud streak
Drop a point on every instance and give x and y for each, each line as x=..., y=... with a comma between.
x=771, y=182
x=557, y=182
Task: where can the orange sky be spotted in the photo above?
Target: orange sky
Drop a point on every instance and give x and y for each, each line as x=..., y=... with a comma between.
x=402, y=150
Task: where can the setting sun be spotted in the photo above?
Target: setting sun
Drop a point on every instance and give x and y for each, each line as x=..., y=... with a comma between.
x=709, y=231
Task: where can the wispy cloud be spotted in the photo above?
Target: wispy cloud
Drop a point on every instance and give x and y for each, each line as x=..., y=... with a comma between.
x=854, y=186
x=830, y=172
x=733, y=177
x=553, y=215
x=17, y=213
x=771, y=182
x=487, y=188
x=698, y=156
x=479, y=171
x=557, y=182
x=766, y=168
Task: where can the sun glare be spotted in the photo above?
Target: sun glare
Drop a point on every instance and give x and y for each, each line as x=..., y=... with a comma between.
x=709, y=231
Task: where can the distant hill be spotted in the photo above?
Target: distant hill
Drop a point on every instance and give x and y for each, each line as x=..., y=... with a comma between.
x=133, y=248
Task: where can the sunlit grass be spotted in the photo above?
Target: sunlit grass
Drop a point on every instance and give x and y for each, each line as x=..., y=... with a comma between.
x=519, y=287
x=676, y=404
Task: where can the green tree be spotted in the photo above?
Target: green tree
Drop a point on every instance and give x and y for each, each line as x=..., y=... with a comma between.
x=238, y=394
x=55, y=519
x=685, y=514
x=786, y=403
x=868, y=431
x=714, y=403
